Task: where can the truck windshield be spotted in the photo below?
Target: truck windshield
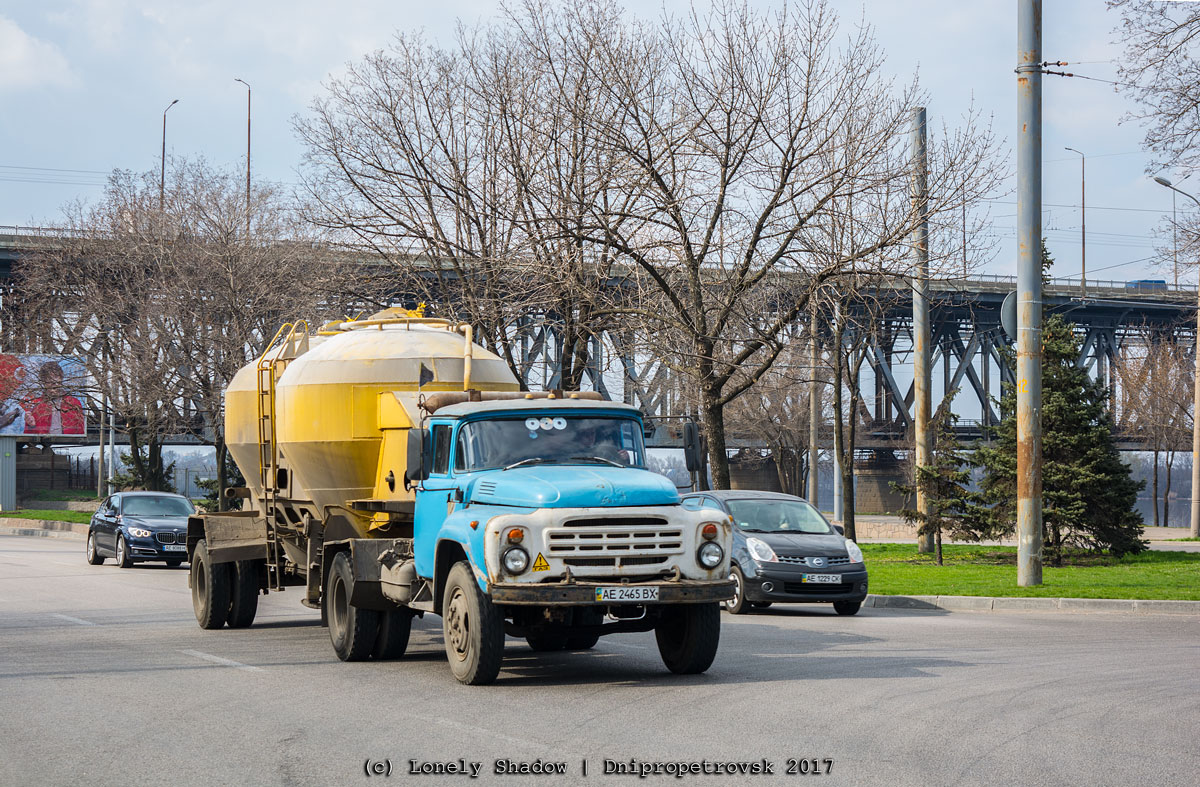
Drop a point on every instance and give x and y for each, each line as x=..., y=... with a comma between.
x=484, y=445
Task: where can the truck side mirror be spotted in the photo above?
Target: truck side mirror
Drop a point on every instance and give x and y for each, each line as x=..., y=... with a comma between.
x=693, y=455
x=415, y=470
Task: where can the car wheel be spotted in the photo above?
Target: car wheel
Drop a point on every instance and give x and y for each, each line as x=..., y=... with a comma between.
x=688, y=635
x=395, y=627
x=472, y=629
x=352, y=630
x=93, y=557
x=123, y=559
x=243, y=593
x=847, y=607
x=210, y=589
x=737, y=605
x=760, y=604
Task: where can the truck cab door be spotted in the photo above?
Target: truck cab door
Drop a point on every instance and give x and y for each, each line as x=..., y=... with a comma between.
x=436, y=499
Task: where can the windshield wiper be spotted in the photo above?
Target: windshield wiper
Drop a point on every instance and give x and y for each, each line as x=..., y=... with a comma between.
x=596, y=459
x=533, y=460
x=755, y=530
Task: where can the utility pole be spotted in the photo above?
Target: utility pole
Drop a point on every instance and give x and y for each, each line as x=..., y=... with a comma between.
x=162, y=172
x=814, y=404
x=1029, y=293
x=922, y=401
x=1082, y=220
x=247, y=84
x=100, y=448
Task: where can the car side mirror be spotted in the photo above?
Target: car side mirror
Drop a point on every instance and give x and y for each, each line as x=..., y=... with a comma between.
x=841, y=530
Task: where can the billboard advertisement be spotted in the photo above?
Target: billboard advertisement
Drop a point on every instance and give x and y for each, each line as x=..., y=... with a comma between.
x=41, y=395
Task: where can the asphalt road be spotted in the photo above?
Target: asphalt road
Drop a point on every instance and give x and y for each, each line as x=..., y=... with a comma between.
x=105, y=678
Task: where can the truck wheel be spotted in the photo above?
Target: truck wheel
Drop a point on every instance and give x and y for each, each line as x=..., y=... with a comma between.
x=93, y=556
x=243, y=595
x=738, y=604
x=582, y=641
x=210, y=589
x=547, y=641
x=471, y=628
x=688, y=635
x=352, y=630
x=394, y=628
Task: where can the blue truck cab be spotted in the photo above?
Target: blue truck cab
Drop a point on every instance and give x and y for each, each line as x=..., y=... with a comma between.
x=538, y=517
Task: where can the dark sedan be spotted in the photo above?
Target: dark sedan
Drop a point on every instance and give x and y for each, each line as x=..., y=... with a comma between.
x=134, y=527
x=784, y=550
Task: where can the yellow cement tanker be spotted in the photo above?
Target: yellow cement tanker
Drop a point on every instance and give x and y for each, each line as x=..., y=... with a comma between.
x=319, y=424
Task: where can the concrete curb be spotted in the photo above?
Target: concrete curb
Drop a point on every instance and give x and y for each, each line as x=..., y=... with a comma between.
x=42, y=527
x=36, y=533
x=1008, y=604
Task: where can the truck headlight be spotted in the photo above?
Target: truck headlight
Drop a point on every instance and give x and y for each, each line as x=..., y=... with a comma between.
x=710, y=554
x=856, y=555
x=515, y=560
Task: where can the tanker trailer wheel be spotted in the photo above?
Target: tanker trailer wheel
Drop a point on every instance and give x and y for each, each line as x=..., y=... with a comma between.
x=352, y=630
x=243, y=593
x=471, y=628
x=210, y=589
x=688, y=635
x=395, y=625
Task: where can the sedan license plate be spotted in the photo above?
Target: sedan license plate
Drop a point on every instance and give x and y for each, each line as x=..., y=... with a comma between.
x=828, y=579
x=627, y=594
x=174, y=547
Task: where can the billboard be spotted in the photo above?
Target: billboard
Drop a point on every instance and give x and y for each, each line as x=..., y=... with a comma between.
x=41, y=395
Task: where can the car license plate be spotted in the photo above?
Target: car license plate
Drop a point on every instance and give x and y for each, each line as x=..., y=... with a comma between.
x=175, y=547
x=627, y=594
x=828, y=579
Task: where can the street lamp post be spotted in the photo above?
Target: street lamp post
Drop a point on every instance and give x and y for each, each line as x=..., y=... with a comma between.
x=1082, y=220
x=162, y=172
x=1195, y=395
x=247, y=84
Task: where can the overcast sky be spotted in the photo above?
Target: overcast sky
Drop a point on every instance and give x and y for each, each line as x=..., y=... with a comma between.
x=83, y=84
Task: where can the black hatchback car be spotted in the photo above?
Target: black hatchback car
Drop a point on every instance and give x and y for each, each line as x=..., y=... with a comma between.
x=785, y=550
x=133, y=527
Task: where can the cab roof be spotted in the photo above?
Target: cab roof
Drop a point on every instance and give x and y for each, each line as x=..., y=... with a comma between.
x=518, y=406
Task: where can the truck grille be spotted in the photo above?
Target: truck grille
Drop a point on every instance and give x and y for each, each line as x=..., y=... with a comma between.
x=640, y=541
x=611, y=562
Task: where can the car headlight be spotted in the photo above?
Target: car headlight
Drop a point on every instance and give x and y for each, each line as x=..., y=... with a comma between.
x=761, y=551
x=856, y=555
x=515, y=560
x=138, y=532
x=710, y=554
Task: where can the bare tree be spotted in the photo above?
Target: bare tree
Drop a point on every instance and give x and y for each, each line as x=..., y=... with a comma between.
x=1161, y=72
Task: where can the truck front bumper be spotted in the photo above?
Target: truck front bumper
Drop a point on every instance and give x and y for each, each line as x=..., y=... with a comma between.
x=550, y=594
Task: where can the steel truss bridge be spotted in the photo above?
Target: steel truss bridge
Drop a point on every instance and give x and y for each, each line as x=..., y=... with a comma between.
x=1112, y=318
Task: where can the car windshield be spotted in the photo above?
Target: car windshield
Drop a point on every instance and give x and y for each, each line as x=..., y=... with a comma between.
x=156, y=505
x=783, y=516
x=564, y=439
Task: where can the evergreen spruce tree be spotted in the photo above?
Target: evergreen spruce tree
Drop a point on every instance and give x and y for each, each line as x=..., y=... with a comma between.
x=1088, y=494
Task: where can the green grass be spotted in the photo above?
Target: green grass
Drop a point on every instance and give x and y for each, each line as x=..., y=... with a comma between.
x=898, y=570
x=80, y=517
x=1181, y=539
x=63, y=495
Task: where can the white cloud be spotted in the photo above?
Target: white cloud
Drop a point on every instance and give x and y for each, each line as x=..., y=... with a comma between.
x=27, y=62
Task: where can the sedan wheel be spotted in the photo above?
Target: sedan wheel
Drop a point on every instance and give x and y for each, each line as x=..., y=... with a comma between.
x=123, y=559
x=737, y=605
x=93, y=557
x=847, y=607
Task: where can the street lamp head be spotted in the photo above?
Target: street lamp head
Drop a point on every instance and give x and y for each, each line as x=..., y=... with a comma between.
x=1073, y=150
x=1160, y=180
x=244, y=82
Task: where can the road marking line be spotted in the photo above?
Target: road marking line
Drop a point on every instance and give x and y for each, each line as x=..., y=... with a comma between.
x=70, y=619
x=218, y=660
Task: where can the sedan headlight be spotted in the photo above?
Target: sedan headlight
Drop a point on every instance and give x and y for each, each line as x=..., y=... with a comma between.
x=138, y=532
x=761, y=551
x=515, y=560
x=856, y=555
x=710, y=554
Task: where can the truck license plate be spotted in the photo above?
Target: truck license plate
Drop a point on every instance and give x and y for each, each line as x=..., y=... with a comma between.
x=829, y=579
x=174, y=547
x=628, y=594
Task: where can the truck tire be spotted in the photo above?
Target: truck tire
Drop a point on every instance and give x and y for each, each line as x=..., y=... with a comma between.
x=395, y=626
x=688, y=635
x=210, y=589
x=243, y=593
x=352, y=630
x=546, y=641
x=472, y=629
x=582, y=641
